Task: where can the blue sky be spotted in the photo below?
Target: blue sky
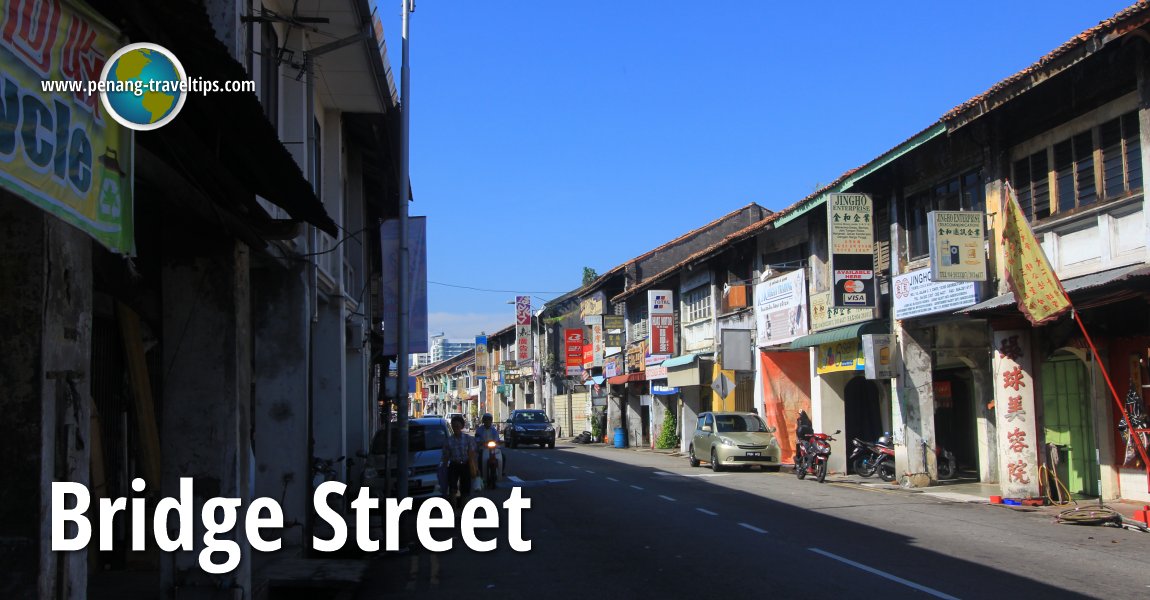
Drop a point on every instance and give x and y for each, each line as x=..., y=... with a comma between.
x=550, y=135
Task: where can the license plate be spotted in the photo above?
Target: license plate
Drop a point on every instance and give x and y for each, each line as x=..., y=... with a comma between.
x=754, y=454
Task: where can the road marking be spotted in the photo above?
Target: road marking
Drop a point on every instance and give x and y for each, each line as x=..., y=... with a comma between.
x=752, y=528
x=667, y=498
x=612, y=479
x=590, y=471
x=666, y=473
x=559, y=462
x=575, y=467
x=637, y=487
x=910, y=584
x=707, y=512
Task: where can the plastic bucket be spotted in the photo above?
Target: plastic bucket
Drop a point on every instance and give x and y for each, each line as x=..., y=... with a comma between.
x=620, y=437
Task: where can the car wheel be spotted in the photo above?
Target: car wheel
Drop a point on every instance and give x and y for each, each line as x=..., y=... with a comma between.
x=551, y=444
x=715, y=466
x=691, y=456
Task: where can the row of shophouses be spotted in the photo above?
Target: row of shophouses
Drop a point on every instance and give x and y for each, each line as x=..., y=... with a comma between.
x=739, y=314
x=224, y=333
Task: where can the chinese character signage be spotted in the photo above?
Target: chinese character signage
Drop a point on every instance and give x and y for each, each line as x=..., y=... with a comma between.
x=481, y=357
x=1014, y=412
x=595, y=326
x=915, y=295
x=592, y=305
x=825, y=315
x=612, y=333
x=851, y=231
x=573, y=350
x=523, y=328
x=61, y=151
x=1036, y=288
x=661, y=313
x=956, y=245
x=781, y=309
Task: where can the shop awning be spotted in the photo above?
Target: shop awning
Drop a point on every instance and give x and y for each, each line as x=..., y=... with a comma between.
x=1074, y=286
x=627, y=378
x=598, y=379
x=679, y=361
x=841, y=333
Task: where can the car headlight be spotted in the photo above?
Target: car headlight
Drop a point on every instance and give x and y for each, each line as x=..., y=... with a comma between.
x=728, y=442
x=550, y=428
x=519, y=429
x=774, y=443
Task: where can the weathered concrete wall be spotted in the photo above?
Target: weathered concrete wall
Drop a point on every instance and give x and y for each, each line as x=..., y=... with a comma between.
x=281, y=322
x=205, y=428
x=45, y=339
x=329, y=402
x=912, y=417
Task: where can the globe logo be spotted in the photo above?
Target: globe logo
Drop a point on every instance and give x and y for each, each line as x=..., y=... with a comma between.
x=143, y=86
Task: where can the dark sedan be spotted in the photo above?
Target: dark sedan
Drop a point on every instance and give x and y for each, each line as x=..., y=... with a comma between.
x=529, y=426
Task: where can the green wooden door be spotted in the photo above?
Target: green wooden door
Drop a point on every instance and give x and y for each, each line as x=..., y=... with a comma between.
x=1066, y=402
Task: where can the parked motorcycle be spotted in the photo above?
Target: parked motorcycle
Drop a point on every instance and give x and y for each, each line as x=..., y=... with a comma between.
x=813, y=454
x=947, y=464
x=869, y=458
x=492, y=461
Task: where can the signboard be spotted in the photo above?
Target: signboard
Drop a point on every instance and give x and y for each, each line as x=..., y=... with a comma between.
x=523, y=328
x=1014, y=411
x=592, y=305
x=840, y=356
x=956, y=245
x=781, y=309
x=916, y=295
x=612, y=333
x=416, y=291
x=613, y=366
x=661, y=313
x=573, y=344
x=878, y=353
x=60, y=150
x=595, y=326
x=851, y=231
x=824, y=315
x=481, y=357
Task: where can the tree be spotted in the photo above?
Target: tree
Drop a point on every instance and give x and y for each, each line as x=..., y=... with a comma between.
x=589, y=275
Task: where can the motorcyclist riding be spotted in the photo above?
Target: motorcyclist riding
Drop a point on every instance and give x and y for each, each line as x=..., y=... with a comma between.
x=485, y=433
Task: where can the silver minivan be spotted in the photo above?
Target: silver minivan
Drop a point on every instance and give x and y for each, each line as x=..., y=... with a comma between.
x=734, y=439
x=426, y=437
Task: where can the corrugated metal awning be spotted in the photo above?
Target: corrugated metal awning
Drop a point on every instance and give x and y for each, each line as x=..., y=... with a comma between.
x=1072, y=285
x=841, y=333
x=680, y=361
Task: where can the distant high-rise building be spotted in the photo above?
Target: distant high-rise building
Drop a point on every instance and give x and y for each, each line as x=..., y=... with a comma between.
x=442, y=348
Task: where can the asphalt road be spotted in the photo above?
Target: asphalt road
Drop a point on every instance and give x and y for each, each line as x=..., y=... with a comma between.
x=609, y=523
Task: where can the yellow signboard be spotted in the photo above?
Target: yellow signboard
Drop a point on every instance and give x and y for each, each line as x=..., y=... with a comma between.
x=846, y=355
x=58, y=148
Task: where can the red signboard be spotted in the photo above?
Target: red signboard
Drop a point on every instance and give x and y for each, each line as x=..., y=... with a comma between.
x=573, y=345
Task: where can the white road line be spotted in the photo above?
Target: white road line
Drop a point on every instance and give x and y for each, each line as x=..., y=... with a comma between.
x=590, y=471
x=559, y=462
x=574, y=467
x=910, y=584
x=612, y=479
x=637, y=487
x=667, y=498
x=752, y=528
x=707, y=512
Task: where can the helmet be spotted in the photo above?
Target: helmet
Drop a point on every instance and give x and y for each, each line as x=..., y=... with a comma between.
x=487, y=417
x=884, y=439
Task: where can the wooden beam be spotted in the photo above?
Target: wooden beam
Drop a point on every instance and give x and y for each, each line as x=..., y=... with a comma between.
x=149, y=451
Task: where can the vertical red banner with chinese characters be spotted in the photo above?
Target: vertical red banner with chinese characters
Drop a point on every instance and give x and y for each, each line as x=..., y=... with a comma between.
x=661, y=313
x=573, y=345
x=1015, y=414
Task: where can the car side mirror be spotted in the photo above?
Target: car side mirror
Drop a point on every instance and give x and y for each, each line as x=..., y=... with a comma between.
x=707, y=428
x=771, y=429
x=838, y=431
x=550, y=420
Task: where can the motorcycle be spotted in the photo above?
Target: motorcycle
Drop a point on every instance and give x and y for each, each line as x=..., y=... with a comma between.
x=813, y=454
x=869, y=458
x=947, y=464
x=492, y=461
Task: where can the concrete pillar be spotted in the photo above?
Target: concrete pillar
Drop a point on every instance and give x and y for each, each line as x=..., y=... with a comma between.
x=913, y=409
x=281, y=322
x=46, y=340
x=359, y=402
x=329, y=402
x=206, y=430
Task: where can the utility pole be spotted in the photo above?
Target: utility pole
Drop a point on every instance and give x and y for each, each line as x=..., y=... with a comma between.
x=404, y=260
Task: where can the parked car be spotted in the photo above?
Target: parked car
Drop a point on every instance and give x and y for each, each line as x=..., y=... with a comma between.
x=730, y=439
x=528, y=426
x=425, y=439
